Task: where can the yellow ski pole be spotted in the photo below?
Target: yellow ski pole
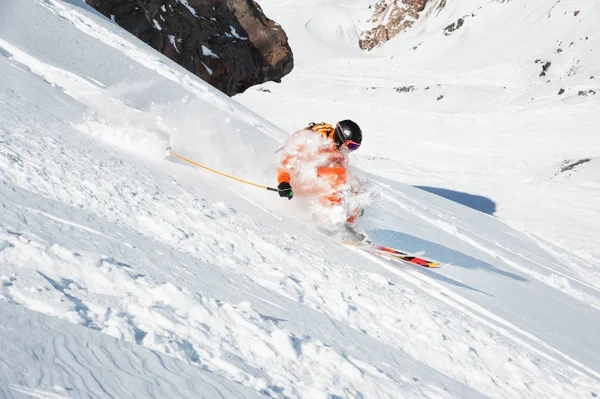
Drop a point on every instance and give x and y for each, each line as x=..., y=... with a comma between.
x=220, y=173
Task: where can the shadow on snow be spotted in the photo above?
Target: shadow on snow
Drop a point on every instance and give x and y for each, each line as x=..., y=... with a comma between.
x=439, y=253
x=477, y=202
x=444, y=279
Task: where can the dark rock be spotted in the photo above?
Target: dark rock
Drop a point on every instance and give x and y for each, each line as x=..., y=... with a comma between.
x=454, y=26
x=545, y=68
x=404, y=89
x=569, y=165
x=584, y=93
x=561, y=92
x=230, y=44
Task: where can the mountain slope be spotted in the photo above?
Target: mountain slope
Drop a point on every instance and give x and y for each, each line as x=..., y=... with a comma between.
x=231, y=283
x=468, y=113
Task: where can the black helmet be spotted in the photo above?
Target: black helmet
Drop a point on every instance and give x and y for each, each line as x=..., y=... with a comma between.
x=347, y=133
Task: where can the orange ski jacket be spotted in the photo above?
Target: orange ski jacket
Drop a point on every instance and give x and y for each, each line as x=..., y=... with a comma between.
x=331, y=167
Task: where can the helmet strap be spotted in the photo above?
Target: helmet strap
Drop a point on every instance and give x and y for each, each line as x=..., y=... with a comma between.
x=338, y=139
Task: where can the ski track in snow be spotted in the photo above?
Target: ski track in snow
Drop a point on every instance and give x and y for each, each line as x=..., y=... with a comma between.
x=230, y=297
x=479, y=241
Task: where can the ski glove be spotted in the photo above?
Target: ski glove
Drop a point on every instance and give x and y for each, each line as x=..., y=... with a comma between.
x=285, y=190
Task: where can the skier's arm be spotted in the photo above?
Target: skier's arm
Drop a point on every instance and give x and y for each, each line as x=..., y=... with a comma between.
x=283, y=174
x=283, y=178
x=291, y=149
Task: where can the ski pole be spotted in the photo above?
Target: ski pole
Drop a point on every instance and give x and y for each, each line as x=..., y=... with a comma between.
x=220, y=173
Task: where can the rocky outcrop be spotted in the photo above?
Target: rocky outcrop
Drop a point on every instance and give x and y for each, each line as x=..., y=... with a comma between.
x=390, y=17
x=230, y=44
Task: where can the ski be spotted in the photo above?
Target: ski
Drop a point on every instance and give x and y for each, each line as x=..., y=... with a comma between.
x=394, y=254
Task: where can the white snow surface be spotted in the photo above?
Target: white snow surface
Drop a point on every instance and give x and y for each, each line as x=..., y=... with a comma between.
x=190, y=9
x=127, y=274
x=208, y=52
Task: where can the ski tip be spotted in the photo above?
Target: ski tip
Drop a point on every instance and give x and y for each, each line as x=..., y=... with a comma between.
x=167, y=151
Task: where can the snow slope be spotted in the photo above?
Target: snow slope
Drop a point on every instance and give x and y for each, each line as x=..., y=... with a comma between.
x=469, y=111
x=72, y=361
x=127, y=274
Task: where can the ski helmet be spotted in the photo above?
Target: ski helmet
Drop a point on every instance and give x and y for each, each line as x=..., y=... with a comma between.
x=347, y=133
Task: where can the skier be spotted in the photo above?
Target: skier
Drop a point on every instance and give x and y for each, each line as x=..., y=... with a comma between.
x=315, y=164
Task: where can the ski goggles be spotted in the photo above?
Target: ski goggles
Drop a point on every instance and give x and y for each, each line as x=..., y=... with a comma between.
x=349, y=144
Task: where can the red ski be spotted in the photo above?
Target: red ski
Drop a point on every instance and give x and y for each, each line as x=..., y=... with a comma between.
x=394, y=254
